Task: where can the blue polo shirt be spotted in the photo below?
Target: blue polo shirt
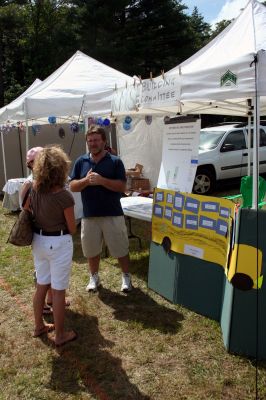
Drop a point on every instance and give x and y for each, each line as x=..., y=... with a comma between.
x=97, y=200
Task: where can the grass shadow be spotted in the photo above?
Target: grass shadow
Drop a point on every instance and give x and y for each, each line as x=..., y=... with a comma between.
x=140, y=266
x=87, y=365
x=78, y=256
x=140, y=308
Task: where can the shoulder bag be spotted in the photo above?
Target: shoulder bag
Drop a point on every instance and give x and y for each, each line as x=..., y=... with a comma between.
x=21, y=233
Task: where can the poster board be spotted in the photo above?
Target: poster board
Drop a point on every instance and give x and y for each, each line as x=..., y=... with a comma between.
x=198, y=226
x=179, y=154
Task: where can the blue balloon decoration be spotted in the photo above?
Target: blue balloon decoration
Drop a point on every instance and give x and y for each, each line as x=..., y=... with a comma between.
x=128, y=119
x=52, y=120
x=99, y=121
x=74, y=127
x=106, y=122
x=126, y=126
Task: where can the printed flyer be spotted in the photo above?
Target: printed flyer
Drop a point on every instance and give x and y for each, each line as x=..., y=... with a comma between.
x=179, y=155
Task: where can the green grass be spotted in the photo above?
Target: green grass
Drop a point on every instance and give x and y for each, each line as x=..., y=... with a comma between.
x=136, y=346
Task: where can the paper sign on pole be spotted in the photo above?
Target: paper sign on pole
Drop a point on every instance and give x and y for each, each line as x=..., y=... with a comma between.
x=179, y=154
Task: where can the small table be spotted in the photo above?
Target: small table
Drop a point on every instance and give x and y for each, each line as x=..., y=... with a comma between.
x=11, y=199
x=136, y=207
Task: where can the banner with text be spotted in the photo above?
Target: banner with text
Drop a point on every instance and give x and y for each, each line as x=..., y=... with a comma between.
x=159, y=92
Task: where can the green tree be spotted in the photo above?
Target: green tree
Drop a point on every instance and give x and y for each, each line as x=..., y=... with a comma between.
x=201, y=30
x=219, y=27
x=12, y=30
x=50, y=38
x=134, y=36
x=137, y=37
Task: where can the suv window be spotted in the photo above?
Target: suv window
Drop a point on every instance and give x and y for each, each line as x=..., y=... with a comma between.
x=210, y=139
x=236, y=138
x=262, y=138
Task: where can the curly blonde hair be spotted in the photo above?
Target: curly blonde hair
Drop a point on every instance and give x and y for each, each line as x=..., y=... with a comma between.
x=51, y=167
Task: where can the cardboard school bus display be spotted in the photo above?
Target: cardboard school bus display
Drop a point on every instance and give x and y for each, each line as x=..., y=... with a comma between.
x=205, y=259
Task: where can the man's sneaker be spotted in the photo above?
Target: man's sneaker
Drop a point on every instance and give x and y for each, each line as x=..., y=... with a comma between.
x=93, y=283
x=126, y=283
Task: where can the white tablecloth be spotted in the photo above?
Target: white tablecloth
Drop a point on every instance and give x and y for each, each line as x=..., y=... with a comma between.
x=137, y=207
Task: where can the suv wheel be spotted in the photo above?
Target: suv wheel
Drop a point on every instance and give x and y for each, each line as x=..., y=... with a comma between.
x=204, y=181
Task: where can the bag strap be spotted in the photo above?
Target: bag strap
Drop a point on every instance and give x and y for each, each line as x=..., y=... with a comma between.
x=26, y=197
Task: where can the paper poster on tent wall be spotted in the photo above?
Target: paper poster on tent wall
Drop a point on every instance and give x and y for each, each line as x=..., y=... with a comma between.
x=198, y=226
x=179, y=155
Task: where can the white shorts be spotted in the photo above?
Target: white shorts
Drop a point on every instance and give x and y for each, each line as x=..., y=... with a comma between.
x=112, y=229
x=53, y=260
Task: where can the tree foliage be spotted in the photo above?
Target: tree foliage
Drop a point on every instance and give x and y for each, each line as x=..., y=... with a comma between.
x=134, y=36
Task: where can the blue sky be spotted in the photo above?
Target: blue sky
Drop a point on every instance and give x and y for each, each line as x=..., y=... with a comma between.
x=216, y=10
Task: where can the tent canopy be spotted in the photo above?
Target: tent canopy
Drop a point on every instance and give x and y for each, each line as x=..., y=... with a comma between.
x=80, y=85
x=219, y=78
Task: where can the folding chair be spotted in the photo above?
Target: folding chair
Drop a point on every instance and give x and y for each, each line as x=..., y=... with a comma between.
x=246, y=189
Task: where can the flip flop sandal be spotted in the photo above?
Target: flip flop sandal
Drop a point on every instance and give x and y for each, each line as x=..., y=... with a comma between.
x=45, y=329
x=47, y=310
x=75, y=336
x=67, y=303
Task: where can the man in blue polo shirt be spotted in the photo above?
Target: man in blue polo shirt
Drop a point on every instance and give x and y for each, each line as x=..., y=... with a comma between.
x=100, y=177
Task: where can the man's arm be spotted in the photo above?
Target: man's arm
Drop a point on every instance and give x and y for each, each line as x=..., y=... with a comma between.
x=77, y=185
x=116, y=185
x=94, y=179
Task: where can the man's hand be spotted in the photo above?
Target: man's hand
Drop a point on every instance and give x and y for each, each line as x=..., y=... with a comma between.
x=94, y=178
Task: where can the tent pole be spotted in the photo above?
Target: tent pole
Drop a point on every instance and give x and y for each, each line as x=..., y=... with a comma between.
x=20, y=152
x=27, y=126
x=4, y=155
x=249, y=144
x=256, y=142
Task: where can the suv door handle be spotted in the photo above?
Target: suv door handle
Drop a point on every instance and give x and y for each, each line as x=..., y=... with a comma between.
x=245, y=154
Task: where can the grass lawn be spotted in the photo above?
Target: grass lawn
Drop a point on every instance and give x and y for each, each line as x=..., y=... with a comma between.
x=137, y=346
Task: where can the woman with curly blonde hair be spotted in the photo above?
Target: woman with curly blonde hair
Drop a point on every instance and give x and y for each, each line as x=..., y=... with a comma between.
x=52, y=206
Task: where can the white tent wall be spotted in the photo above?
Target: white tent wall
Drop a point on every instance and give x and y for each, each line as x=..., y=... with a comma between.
x=141, y=144
x=49, y=134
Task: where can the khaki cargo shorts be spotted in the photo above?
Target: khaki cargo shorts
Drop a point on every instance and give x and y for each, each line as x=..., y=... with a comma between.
x=112, y=230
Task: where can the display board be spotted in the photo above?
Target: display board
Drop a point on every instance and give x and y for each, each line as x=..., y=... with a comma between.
x=198, y=226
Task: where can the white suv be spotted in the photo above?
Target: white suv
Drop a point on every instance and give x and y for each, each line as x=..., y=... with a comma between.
x=223, y=154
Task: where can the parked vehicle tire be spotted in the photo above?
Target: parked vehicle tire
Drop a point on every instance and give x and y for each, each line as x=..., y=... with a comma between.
x=204, y=182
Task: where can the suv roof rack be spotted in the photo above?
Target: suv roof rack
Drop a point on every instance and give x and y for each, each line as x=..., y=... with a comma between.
x=237, y=123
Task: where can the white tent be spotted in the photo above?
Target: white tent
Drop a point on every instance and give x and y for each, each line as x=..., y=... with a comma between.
x=7, y=112
x=230, y=69
x=227, y=76
x=218, y=79
x=80, y=84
